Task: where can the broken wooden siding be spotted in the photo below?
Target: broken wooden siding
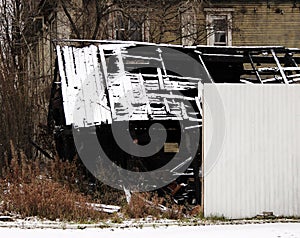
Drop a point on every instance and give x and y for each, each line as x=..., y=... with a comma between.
x=97, y=87
x=101, y=83
x=82, y=86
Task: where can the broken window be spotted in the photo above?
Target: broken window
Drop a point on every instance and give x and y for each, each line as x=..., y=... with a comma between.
x=219, y=27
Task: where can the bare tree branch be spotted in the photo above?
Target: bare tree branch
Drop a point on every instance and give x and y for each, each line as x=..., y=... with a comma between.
x=68, y=15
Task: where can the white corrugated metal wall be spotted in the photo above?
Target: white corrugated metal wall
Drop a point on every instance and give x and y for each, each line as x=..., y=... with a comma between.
x=253, y=164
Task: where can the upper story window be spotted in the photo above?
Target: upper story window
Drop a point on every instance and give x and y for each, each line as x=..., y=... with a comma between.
x=220, y=31
x=130, y=27
x=219, y=26
x=188, y=26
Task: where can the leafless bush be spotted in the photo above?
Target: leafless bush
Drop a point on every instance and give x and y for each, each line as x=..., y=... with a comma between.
x=24, y=86
x=30, y=190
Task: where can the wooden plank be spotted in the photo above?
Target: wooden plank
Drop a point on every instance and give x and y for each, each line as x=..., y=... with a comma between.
x=81, y=74
x=171, y=147
x=73, y=85
x=148, y=107
x=99, y=112
x=184, y=78
x=89, y=88
x=275, y=69
x=121, y=66
x=162, y=62
x=247, y=82
x=254, y=68
x=198, y=105
x=102, y=113
x=103, y=63
x=204, y=66
x=291, y=68
x=63, y=80
x=279, y=67
x=167, y=107
x=109, y=91
x=141, y=57
x=171, y=96
x=160, y=79
x=183, y=111
x=193, y=127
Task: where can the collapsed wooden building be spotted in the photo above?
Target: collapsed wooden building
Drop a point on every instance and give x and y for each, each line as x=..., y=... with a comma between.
x=144, y=84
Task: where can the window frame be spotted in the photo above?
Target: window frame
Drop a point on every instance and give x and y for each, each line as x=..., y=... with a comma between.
x=142, y=30
x=218, y=14
x=188, y=22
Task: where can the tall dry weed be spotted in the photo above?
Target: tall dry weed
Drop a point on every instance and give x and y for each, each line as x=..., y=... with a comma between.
x=48, y=192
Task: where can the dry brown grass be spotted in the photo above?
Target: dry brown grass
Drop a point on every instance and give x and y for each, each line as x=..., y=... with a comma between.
x=46, y=189
x=54, y=189
x=149, y=203
x=48, y=199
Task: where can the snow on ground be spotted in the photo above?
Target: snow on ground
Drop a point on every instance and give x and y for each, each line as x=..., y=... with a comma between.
x=271, y=230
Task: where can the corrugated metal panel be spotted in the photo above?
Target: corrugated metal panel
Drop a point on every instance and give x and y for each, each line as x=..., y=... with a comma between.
x=255, y=166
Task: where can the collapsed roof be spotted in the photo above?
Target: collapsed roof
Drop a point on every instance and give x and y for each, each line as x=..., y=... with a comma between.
x=107, y=81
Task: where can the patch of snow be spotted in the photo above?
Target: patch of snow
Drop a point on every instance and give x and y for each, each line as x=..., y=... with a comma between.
x=274, y=230
x=104, y=207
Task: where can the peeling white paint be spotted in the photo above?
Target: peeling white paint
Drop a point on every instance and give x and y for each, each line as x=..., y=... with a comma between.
x=100, y=96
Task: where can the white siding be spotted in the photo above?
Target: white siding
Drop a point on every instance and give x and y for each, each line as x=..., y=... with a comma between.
x=83, y=89
x=256, y=168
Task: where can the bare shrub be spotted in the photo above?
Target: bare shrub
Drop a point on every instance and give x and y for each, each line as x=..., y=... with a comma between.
x=49, y=193
x=48, y=199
